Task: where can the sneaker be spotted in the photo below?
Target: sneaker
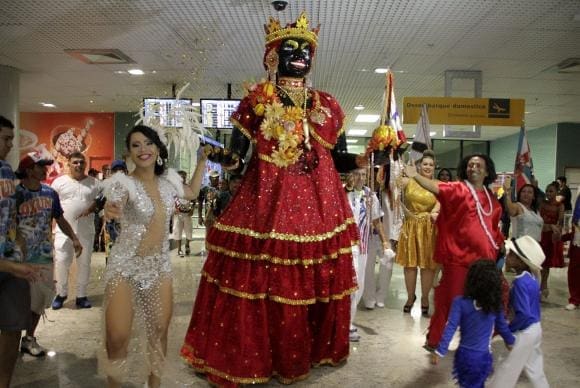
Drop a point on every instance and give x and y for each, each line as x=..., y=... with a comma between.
x=30, y=346
x=354, y=336
x=187, y=251
x=58, y=302
x=571, y=306
x=380, y=305
x=180, y=253
x=83, y=303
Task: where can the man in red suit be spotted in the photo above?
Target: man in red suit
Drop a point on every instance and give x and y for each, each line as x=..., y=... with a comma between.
x=468, y=229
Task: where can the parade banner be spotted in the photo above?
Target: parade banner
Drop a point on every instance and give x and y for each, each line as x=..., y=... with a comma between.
x=465, y=111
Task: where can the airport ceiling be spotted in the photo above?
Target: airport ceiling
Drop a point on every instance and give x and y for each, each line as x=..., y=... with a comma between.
x=516, y=44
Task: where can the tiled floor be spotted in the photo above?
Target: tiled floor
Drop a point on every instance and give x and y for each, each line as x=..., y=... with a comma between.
x=388, y=355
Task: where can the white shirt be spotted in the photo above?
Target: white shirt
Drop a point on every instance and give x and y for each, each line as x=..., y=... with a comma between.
x=75, y=197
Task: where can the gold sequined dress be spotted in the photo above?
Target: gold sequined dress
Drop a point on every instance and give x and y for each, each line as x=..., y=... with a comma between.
x=417, y=240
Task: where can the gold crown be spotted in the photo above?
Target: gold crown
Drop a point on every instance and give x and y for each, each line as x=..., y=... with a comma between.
x=299, y=29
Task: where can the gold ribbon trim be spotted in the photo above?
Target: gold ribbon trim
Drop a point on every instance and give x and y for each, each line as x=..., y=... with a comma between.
x=279, y=260
x=276, y=298
x=243, y=129
x=199, y=365
x=285, y=236
x=319, y=139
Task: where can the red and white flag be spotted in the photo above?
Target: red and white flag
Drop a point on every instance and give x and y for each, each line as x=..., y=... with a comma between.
x=392, y=112
x=524, y=167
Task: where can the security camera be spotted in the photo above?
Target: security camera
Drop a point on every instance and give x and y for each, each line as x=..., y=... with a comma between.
x=279, y=5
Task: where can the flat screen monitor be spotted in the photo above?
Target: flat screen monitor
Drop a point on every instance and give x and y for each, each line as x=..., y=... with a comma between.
x=215, y=113
x=166, y=109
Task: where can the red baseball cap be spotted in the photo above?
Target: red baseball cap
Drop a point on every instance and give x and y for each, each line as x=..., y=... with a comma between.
x=29, y=161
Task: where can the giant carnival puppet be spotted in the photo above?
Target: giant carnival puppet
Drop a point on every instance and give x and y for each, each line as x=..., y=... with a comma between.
x=274, y=297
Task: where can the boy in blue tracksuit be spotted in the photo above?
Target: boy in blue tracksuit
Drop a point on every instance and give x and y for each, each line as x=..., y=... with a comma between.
x=525, y=256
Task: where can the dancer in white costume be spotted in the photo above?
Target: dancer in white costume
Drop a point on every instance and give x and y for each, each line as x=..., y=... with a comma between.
x=138, y=274
x=376, y=287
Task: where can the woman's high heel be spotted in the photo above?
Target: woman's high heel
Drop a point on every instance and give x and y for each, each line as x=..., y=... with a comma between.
x=425, y=311
x=407, y=308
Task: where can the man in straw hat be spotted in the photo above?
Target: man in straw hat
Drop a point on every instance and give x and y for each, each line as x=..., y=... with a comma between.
x=525, y=256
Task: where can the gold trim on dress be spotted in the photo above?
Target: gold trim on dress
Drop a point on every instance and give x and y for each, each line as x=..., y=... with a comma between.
x=285, y=236
x=276, y=298
x=319, y=139
x=279, y=260
x=199, y=365
x=243, y=129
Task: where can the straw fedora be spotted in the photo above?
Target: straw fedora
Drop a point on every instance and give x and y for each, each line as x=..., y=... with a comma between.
x=527, y=249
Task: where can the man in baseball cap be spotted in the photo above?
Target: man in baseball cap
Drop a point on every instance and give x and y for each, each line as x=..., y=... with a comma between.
x=29, y=161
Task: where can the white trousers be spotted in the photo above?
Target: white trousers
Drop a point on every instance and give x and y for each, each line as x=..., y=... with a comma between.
x=359, y=263
x=182, y=223
x=377, y=293
x=63, y=256
x=526, y=355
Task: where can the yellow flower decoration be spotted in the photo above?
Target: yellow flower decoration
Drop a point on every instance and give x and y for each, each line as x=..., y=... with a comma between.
x=293, y=113
x=274, y=110
x=280, y=123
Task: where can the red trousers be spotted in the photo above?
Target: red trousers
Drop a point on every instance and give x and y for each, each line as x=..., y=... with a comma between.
x=574, y=275
x=452, y=284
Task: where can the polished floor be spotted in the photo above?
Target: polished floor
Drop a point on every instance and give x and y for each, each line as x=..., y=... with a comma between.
x=389, y=353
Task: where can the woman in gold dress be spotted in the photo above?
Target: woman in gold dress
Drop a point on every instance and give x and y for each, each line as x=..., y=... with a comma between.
x=417, y=239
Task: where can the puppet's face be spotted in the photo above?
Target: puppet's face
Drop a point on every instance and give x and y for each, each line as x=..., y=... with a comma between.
x=295, y=59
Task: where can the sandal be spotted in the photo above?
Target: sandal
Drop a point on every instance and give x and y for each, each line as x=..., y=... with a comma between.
x=425, y=311
x=407, y=308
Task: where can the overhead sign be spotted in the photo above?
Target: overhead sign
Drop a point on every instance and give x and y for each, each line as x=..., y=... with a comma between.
x=465, y=111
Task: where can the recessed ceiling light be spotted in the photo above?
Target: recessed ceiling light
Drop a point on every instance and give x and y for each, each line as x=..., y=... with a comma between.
x=381, y=70
x=359, y=107
x=120, y=72
x=91, y=101
x=47, y=105
x=356, y=132
x=432, y=133
x=352, y=141
x=135, y=72
x=364, y=118
x=153, y=71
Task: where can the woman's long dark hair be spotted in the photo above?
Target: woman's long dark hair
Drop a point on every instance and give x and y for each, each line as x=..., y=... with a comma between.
x=483, y=284
x=491, y=174
x=535, y=204
x=152, y=135
x=448, y=172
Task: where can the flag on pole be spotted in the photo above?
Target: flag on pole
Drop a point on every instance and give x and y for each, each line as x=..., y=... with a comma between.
x=422, y=139
x=524, y=168
x=392, y=112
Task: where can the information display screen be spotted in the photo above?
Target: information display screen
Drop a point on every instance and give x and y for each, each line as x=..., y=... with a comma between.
x=216, y=113
x=166, y=109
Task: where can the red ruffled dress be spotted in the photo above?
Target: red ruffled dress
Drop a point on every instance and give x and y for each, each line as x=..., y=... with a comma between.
x=274, y=297
x=554, y=250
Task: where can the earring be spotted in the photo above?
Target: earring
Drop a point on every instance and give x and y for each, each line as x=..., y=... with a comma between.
x=159, y=160
x=272, y=61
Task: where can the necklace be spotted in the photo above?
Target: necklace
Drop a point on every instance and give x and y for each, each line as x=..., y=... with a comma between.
x=297, y=95
x=481, y=212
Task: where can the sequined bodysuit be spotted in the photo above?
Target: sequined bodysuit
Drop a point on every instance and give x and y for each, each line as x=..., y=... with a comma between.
x=140, y=258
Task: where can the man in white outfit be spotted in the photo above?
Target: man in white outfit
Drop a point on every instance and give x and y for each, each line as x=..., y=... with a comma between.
x=375, y=294
x=77, y=192
x=365, y=207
